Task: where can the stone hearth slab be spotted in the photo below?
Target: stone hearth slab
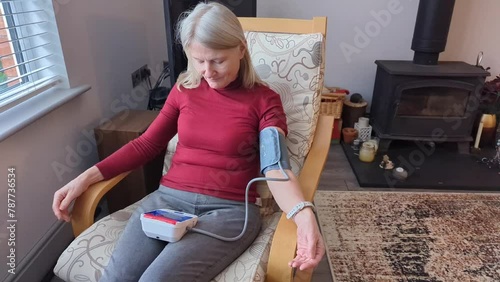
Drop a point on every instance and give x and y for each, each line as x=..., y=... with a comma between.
x=438, y=168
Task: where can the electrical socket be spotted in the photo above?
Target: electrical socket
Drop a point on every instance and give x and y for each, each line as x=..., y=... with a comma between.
x=140, y=75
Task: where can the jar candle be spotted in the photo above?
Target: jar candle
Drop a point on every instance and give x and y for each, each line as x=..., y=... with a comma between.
x=367, y=152
x=375, y=143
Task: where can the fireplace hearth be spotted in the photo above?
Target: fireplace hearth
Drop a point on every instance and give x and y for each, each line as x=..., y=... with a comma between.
x=424, y=99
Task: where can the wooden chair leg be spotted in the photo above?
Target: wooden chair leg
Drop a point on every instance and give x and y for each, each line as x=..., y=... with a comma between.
x=303, y=275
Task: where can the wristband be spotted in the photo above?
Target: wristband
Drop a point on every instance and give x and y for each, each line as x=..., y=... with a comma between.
x=300, y=206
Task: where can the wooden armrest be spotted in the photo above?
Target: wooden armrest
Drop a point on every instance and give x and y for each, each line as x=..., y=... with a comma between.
x=84, y=208
x=284, y=243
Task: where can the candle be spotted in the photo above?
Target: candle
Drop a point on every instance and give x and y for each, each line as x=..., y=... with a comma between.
x=367, y=152
x=478, y=135
x=363, y=121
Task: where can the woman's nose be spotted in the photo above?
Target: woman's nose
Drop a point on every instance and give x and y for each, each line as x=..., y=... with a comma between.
x=209, y=70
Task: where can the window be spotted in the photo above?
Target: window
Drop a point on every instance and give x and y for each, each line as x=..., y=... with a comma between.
x=30, y=52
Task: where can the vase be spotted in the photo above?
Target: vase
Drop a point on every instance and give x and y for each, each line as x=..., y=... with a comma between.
x=349, y=134
x=489, y=127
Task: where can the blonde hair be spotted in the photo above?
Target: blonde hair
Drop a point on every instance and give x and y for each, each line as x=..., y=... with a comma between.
x=215, y=27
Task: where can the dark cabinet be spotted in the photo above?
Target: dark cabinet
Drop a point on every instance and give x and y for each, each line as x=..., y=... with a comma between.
x=111, y=136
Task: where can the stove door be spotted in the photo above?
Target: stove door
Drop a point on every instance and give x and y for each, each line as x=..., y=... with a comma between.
x=424, y=108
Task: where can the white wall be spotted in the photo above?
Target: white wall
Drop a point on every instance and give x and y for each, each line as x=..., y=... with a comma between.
x=103, y=43
x=474, y=28
x=353, y=25
x=157, y=36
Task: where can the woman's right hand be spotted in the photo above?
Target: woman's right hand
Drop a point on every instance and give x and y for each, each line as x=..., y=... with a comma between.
x=69, y=192
x=64, y=196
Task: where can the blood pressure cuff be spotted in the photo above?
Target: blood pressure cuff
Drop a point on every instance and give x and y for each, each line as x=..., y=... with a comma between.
x=273, y=150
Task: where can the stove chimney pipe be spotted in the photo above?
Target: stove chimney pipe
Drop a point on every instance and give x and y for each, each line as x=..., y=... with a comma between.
x=431, y=30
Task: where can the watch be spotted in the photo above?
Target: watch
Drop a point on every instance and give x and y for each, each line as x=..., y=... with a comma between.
x=300, y=206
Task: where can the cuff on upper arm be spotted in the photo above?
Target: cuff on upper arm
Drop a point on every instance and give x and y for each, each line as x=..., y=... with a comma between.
x=273, y=150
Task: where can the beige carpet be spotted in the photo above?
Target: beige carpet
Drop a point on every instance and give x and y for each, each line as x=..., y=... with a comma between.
x=398, y=236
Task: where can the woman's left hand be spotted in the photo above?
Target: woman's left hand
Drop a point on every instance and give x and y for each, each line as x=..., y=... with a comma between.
x=310, y=246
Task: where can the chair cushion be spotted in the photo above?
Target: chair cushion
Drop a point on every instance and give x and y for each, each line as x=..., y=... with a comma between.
x=87, y=256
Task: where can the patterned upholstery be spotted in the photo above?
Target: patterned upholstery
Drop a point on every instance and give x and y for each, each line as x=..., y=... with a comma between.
x=292, y=66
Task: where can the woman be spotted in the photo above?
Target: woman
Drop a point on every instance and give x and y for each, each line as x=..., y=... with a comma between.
x=218, y=107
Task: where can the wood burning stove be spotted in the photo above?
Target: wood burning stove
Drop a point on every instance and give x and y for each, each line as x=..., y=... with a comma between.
x=427, y=100
x=426, y=103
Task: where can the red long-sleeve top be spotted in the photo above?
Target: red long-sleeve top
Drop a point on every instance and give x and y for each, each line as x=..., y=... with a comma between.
x=217, y=153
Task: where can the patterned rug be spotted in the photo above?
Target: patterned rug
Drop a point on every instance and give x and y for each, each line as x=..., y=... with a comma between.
x=398, y=236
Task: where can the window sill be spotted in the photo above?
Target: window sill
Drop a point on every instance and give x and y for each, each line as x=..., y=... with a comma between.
x=20, y=116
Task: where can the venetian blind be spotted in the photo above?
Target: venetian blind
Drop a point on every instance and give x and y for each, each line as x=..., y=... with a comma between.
x=30, y=51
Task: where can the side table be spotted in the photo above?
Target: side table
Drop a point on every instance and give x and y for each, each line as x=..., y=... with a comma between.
x=121, y=129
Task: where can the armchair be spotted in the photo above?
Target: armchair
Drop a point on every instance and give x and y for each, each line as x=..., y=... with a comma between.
x=288, y=55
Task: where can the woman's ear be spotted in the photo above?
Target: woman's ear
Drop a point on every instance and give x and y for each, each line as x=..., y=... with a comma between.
x=242, y=49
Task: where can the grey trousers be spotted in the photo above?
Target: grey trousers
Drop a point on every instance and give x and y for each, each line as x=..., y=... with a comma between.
x=196, y=257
